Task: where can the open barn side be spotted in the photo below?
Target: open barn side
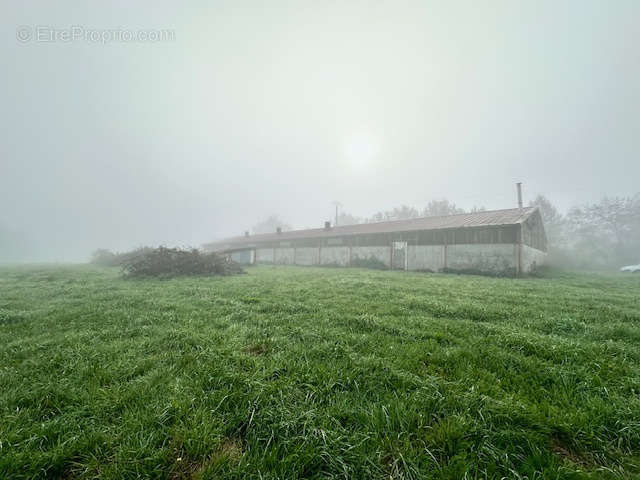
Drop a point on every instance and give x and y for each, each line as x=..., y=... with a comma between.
x=506, y=242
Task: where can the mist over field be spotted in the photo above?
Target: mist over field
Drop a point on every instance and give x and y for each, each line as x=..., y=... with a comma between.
x=459, y=299
x=251, y=109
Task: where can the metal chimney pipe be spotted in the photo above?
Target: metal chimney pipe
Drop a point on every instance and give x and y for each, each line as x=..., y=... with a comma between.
x=338, y=205
x=327, y=225
x=519, y=187
x=279, y=230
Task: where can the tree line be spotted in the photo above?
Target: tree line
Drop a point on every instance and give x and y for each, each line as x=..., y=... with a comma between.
x=604, y=234
x=434, y=208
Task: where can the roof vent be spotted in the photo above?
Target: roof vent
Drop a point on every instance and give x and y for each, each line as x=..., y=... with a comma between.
x=279, y=230
x=327, y=225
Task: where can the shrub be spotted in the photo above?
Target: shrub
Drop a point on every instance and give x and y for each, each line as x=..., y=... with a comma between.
x=505, y=272
x=172, y=262
x=104, y=257
x=371, y=262
x=107, y=258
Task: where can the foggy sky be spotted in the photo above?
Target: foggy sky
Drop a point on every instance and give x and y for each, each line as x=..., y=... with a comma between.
x=283, y=107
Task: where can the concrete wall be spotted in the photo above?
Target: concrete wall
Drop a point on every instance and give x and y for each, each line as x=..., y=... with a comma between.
x=264, y=255
x=496, y=258
x=500, y=257
x=334, y=256
x=307, y=256
x=284, y=256
x=380, y=253
x=242, y=256
x=530, y=258
x=426, y=257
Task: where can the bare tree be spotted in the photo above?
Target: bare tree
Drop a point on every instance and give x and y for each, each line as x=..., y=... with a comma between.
x=549, y=212
x=347, y=219
x=439, y=208
x=476, y=209
x=435, y=208
x=270, y=225
x=554, y=221
x=610, y=227
x=403, y=212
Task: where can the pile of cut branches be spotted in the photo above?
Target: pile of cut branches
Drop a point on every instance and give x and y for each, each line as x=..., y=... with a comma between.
x=168, y=262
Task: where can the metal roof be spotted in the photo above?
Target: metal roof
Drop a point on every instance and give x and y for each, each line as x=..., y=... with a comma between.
x=511, y=216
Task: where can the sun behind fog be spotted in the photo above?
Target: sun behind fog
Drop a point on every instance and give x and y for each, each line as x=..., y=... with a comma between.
x=361, y=150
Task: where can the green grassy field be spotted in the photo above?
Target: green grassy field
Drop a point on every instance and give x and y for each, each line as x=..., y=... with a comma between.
x=289, y=372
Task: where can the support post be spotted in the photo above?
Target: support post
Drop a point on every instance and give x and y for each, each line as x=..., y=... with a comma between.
x=519, y=250
x=444, y=256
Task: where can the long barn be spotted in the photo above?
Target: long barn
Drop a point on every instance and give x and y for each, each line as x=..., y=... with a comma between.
x=511, y=241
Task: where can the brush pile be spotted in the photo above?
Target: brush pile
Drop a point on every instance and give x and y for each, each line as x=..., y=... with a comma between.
x=168, y=262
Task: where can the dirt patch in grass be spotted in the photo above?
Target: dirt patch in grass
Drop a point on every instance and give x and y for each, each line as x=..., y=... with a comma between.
x=562, y=450
x=393, y=467
x=257, y=349
x=434, y=370
x=230, y=450
x=184, y=468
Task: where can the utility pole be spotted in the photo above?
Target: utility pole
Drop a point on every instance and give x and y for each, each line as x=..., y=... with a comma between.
x=519, y=189
x=338, y=205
